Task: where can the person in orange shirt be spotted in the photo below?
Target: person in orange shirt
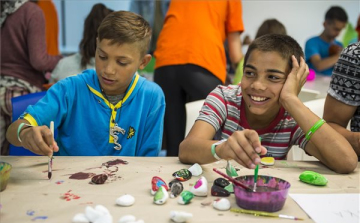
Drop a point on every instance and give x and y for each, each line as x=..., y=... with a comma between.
x=52, y=26
x=190, y=57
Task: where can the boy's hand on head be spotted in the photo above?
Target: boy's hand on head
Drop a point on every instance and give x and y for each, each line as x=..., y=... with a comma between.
x=243, y=147
x=295, y=80
x=39, y=140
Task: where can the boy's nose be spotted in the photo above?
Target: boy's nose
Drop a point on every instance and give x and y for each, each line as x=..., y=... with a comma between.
x=258, y=85
x=109, y=69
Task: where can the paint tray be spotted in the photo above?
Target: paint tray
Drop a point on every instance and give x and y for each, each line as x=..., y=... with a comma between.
x=5, y=169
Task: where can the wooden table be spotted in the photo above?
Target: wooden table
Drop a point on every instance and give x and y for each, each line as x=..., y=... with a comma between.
x=30, y=196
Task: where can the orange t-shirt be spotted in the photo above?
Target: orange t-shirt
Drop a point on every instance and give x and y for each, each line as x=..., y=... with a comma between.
x=194, y=32
x=52, y=26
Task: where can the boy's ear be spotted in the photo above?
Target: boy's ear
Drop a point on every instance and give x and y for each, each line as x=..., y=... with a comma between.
x=144, y=61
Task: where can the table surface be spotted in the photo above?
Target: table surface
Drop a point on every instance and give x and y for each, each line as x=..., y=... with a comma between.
x=321, y=83
x=30, y=195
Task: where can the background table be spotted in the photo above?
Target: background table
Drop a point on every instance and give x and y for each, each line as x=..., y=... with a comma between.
x=321, y=83
x=30, y=194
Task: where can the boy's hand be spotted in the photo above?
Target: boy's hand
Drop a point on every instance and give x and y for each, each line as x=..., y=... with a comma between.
x=243, y=147
x=39, y=140
x=295, y=80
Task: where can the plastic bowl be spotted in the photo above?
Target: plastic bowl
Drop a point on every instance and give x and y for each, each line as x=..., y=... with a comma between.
x=5, y=169
x=270, y=195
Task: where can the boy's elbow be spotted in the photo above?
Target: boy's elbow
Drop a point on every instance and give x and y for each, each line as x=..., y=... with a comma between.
x=182, y=153
x=348, y=166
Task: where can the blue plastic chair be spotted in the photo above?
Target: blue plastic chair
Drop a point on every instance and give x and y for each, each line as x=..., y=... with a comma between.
x=19, y=104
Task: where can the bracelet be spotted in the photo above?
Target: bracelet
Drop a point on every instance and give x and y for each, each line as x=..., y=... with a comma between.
x=314, y=128
x=213, y=146
x=20, y=129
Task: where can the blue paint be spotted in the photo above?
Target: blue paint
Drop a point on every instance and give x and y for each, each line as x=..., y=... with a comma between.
x=39, y=217
x=30, y=213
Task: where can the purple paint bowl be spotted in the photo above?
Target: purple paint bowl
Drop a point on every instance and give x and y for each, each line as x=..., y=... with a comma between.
x=270, y=194
x=5, y=169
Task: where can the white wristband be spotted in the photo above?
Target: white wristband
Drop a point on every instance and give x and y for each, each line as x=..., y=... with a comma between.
x=213, y=146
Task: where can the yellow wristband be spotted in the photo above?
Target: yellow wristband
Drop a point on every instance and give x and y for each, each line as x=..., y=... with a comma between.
x=314, y=128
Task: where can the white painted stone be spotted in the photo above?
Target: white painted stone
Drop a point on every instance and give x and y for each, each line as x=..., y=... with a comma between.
x=127, y=219
x=80, y=218
x=180, y=216
x=200, y=188
x=222, y=204
x=125, y=200
x=196, y=170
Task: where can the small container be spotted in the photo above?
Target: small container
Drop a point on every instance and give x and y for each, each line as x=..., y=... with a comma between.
x=5, y=169
x=312, y=75
x=270, y=194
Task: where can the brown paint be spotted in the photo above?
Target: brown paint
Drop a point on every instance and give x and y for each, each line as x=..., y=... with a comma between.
x=114, y=162
x=81, y=176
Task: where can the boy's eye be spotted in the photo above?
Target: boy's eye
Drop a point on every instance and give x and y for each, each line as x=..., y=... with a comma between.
x=122, y=63
x=249, y=73
x=273, y=77
x=102, y=57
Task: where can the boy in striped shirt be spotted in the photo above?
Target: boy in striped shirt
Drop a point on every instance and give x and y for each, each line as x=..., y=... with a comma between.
x=265, y=104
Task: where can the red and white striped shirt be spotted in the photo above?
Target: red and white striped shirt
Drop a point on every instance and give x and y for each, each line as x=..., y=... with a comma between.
x=224, y=110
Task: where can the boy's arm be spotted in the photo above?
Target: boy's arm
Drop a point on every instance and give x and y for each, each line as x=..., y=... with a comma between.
x=37, y=139
x=326, y=144
x=339, y=118
x=324, y=63
x=235, y=52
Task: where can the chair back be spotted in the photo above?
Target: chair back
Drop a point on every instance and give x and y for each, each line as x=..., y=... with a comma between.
x=19, y=105
x=192, y=112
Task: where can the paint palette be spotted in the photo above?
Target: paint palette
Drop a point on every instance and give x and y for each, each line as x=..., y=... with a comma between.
x=270, y=194
x=5, y=169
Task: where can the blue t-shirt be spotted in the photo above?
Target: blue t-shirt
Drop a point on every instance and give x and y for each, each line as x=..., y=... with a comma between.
x=317, y=46
x=83, y=117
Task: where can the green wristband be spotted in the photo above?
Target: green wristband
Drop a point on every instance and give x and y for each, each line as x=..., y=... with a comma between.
x=20, y=128
x=314, y=128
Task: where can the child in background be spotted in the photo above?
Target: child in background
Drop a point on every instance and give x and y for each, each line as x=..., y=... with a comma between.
x=111, y=111
x=265, y=104
x=269, y=26
x=323, y=51
x=78, y=62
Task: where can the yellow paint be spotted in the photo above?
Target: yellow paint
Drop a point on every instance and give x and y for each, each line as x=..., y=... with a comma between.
x=268, y=161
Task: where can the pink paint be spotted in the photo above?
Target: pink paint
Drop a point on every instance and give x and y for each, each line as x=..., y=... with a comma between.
x=198, y=184
x=59, y=182
x=69, y=196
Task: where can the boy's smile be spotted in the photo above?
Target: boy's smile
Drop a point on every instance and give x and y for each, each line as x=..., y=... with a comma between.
x=116, y=64
x=264, y=76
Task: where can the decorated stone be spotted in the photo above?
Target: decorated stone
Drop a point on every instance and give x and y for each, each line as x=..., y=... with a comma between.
x=156, y=182
x=313, y=178
x=196, y=170
x=93, y=214
x=268, y=161
x=219, y=191
x=180, y=216
x=104, y=219
x=182, y=175
x=80, y=218
x=230, y=188
x=176, y=188
x=99, y=179
x=125, y=200
x=200, y=188
x=185, y=197
x=221, y=182
x=222, y=204
x=161, y=196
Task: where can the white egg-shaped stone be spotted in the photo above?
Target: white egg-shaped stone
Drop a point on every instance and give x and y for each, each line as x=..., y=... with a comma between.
x=196, y=170
x=102, y=209
x=80, y=218
x=222, y=204
x=125, y=200
x=104, y=219
x=200, y=188
x=180, y=216
x=127, y=219
x=92, y=214
x=139, y=221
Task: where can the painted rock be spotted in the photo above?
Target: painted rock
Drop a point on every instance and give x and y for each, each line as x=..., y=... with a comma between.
x=176, y=188
x=221, y=182
x=80, y=218
x=313, y=178
x=156, y=182
x=92, y=214
x=268, y=161
x=182, y=175
x=200, y=188
x=221, y=204
x=99, y=179
x=104, y=219
x=125, y=200
x=127, y=219
x=196, y=170
x=219, y=191
x=180, y=216
x=185, y=197
x=230, y=188
x=161, y=196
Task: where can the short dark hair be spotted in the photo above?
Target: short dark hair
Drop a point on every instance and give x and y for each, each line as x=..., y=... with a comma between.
x=336, y=13
x=285, y=45
x=271, y=26
x=126, y=27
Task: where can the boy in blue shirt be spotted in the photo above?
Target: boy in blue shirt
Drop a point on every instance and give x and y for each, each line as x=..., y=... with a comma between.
x=322, y=52
x=107, y=111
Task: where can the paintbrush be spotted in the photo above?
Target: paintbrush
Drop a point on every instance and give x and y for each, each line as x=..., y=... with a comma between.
x=265, y=214
x=256, y=173
x=232, y=180
x=51, y=157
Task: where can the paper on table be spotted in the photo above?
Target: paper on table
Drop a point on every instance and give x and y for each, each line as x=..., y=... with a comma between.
x=330, y=208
